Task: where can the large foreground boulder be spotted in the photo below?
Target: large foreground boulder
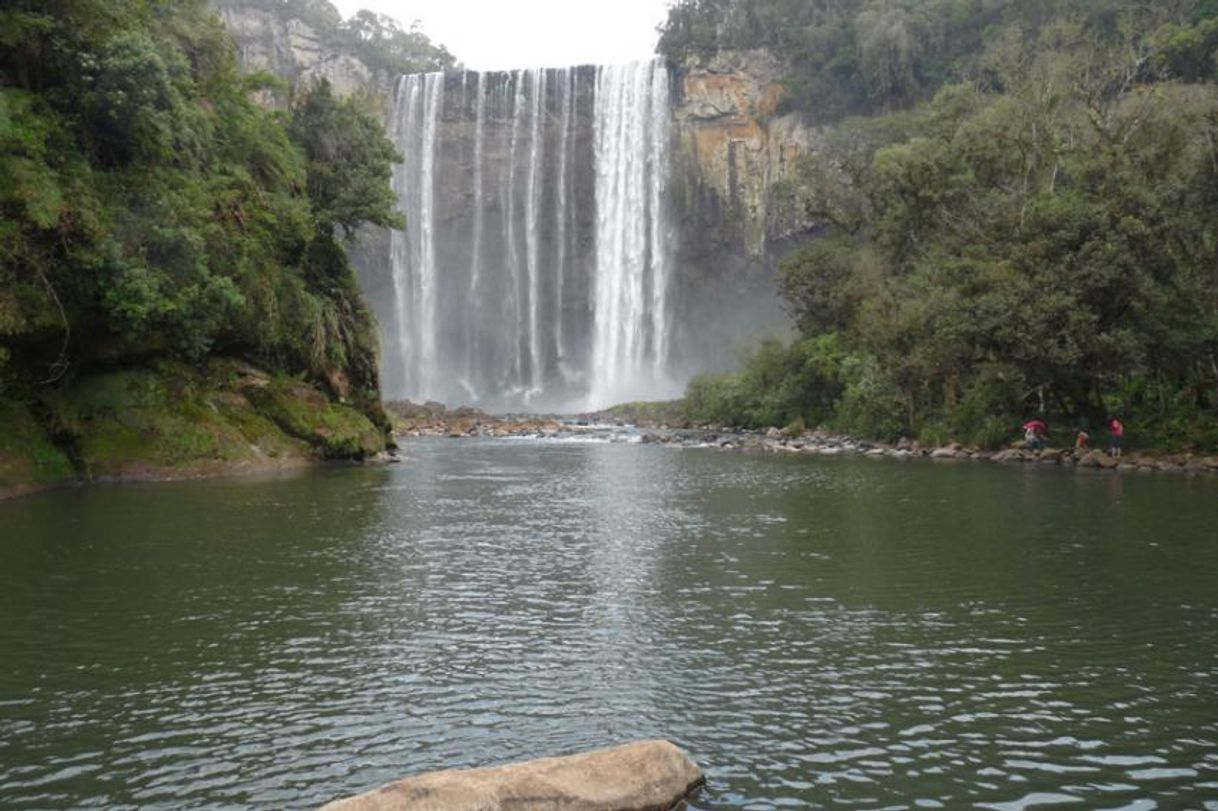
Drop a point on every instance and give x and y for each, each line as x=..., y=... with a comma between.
x=646, y=776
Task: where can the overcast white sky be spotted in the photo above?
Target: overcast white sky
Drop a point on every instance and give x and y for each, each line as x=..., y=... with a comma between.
x=498, y=34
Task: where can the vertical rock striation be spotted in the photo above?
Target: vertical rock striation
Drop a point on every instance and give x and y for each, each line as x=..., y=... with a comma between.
x=736, y=151
x=737, y=190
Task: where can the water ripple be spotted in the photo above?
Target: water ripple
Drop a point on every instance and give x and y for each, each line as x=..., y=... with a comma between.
x=820, y=633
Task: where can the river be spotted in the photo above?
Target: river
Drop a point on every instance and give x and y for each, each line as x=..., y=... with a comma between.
x=816, y=632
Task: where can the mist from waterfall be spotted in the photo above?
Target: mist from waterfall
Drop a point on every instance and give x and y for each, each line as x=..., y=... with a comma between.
x=534, y=270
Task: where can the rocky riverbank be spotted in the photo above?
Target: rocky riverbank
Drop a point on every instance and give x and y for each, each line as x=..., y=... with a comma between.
x=774, y=441
x=434, y=420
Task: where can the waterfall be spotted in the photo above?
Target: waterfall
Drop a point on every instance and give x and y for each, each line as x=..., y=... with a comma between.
x=631, y=283
x=510, y=228
x=534, y=267
x=472, y=334
x=561, y=195
x=413, y=251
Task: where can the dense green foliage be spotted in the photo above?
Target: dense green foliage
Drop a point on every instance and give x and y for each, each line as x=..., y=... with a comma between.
x=858, y=56
x=148, y=208
x=1039, y=236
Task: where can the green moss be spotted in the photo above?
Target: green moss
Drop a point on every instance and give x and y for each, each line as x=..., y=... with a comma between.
x=661, y=411
x=172, y=420
x=336, y=430
x=27, y=455
x=257, y=429
x=142, y=417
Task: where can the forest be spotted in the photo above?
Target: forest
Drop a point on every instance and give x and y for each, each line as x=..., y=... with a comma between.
x=154, y=219
x=148, y=206
x=1020, y=217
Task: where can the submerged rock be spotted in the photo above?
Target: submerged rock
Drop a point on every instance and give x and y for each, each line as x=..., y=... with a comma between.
x=645, y=776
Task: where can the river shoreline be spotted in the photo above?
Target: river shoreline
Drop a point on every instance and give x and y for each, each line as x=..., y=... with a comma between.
x=433, y=420
x=413, y=422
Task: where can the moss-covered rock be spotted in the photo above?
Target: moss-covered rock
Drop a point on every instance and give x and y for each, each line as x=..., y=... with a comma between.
x=29, y=460
x=336, y=430
x=147, y=422
x=174, y=421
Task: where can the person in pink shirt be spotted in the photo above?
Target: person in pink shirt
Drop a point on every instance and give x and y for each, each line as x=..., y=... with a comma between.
x=1034, y=433
x=1116, y=437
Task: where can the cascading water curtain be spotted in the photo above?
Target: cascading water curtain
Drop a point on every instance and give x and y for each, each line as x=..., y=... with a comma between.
x=533, y=270
x=412, y=370
x=630, y=353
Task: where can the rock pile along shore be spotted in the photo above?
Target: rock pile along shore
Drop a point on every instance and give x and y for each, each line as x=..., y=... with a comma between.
x=434, y=420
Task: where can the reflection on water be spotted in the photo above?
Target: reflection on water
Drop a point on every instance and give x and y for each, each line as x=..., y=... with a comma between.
x=819, y=633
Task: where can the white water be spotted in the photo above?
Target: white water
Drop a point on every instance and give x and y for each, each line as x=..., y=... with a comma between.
x=537, y=79
x=472, y=332
x=419, y=100
x=560, y=215
x=629, y=355
x=513, y=256
x=534, y=267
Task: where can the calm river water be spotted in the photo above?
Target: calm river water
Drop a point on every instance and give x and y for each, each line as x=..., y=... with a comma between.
x=818, y=633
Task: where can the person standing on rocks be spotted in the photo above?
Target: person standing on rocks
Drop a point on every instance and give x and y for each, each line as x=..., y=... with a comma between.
x=1034, y=432
x=1116, y=437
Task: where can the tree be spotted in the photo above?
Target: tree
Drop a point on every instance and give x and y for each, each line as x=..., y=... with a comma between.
x=150, y=209
x=349, y=162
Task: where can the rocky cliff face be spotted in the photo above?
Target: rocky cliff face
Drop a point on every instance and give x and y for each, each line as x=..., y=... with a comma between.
x=736, y=155
x=294, y=51
x=735, y=164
